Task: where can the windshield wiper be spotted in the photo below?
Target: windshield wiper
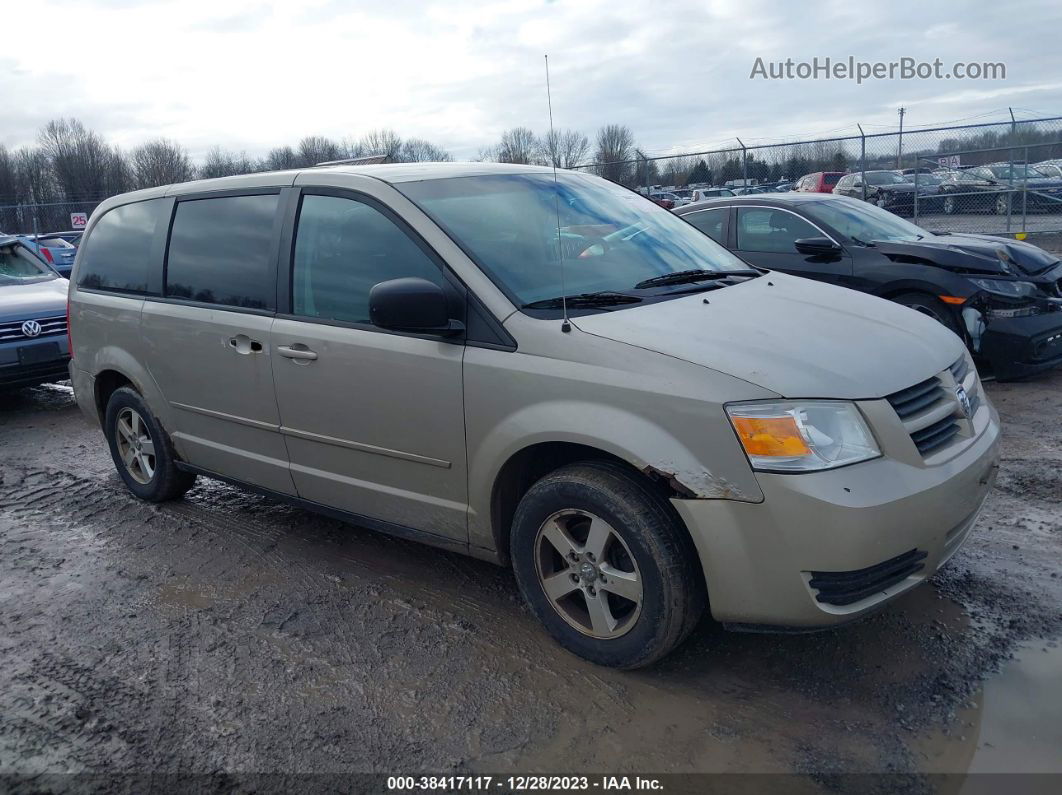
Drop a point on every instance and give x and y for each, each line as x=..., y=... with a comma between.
x=684, y=277
x=863, y=243
x=584, y=300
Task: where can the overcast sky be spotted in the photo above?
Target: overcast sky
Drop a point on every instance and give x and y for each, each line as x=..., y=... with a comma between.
x=250, y=75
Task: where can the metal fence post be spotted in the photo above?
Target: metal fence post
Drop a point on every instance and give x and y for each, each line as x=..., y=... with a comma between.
x=1010, y=185
x=863, y=160
x=918, y=170
x=1025, y=188
x=744, y=164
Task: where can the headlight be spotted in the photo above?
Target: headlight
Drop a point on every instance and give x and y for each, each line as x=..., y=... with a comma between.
x=1007, y=289
x=802, y=436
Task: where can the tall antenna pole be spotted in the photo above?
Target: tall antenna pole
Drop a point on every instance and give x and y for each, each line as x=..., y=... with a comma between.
x=566, y=325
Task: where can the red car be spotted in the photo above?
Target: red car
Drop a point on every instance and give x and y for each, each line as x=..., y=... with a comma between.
x=818, y=182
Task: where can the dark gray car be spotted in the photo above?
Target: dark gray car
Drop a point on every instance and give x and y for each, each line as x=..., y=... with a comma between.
x=34, y=347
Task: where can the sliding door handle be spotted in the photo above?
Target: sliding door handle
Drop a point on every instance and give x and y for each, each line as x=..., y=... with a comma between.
x=243, y=344
x=298, y=351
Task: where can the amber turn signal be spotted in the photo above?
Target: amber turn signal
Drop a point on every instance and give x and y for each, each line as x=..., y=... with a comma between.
x=770, y=436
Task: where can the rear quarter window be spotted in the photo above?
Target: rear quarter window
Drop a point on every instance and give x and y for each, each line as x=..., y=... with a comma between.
x=220, y=251
x=116, y=254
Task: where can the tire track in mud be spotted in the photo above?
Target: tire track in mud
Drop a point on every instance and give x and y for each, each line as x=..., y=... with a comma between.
x=229, y=632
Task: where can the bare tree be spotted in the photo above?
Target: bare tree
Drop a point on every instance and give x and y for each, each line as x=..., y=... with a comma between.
x=34, y=177
x=8, y=178
x=159, y=162
x=564, y=148
x=383, y=142
x=223, y=163
x=518, y=145
x=417, y=150
x=281, y=157
x=314, y=149
x=83, y=164
x=615, y=144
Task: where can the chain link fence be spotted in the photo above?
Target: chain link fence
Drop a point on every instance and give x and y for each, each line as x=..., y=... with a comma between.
x=45, y=217
x=995, y=178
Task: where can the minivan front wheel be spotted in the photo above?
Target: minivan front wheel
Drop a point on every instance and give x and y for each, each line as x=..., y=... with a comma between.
x=605, y=566
x=141, y=450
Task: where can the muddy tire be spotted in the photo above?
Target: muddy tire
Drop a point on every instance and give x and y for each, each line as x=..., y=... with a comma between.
x=933, y=307
x=141, y=450
x=605, y=565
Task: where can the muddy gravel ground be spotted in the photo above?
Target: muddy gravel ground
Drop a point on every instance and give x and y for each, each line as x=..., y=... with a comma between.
x=227, y=633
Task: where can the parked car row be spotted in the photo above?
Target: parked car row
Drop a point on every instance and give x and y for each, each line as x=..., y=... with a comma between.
x=1000, y=188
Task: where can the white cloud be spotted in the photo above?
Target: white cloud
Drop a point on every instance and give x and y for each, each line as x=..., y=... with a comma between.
x=252, y=74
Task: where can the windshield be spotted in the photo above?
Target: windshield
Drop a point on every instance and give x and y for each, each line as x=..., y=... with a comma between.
x=610, y=238
x=863, y=222
x=883, y=178
x=18, y=266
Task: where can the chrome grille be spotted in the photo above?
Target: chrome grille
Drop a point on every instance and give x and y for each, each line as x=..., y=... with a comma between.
x=936, y=435
x=930, y=410
x=917, y=398
x=50, y=327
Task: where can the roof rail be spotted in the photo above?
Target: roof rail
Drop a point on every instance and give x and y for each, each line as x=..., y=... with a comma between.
x=364, y=160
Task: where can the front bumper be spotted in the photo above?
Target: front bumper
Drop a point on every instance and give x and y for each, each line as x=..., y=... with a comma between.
x=20, y=371
x=1022, y=346
x=759, y=559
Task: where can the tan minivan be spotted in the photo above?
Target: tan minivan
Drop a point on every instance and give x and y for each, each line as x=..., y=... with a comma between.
x=545, y=371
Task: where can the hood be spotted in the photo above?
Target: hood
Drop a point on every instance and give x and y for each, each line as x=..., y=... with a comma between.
x=26, y=301
x=975, y=253
x=793, y=336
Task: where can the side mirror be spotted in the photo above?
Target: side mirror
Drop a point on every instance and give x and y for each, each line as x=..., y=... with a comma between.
x=414, y=305
x=816, y=245
x=857, y=184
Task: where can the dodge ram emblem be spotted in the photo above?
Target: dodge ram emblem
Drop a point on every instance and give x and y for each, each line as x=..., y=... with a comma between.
x=31, y=328
x=964, y=401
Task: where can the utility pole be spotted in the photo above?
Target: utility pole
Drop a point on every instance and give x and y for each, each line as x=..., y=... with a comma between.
x=899, y=144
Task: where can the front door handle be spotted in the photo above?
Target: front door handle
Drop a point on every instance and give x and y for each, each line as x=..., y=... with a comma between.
x=298, y=351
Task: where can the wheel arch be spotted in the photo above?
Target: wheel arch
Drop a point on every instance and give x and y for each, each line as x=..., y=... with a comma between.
x=115, y=367
x=529, y=464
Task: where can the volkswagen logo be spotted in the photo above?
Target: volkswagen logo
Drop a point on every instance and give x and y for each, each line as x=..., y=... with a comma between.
x=964, y=401
x=31, y=328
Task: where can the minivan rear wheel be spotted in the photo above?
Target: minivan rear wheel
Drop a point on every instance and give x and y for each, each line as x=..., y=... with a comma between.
x=603, y=563
x=141, y=450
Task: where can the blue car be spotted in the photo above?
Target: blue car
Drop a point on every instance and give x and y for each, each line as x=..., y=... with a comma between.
x=54, y=250
x=34, y=347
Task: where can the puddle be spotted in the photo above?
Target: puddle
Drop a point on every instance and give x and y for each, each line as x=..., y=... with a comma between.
x=185, y=596
x=1015, y=725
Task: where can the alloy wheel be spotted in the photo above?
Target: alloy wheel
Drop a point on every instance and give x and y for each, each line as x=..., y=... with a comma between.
x=588, y=574
x=135, y=445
